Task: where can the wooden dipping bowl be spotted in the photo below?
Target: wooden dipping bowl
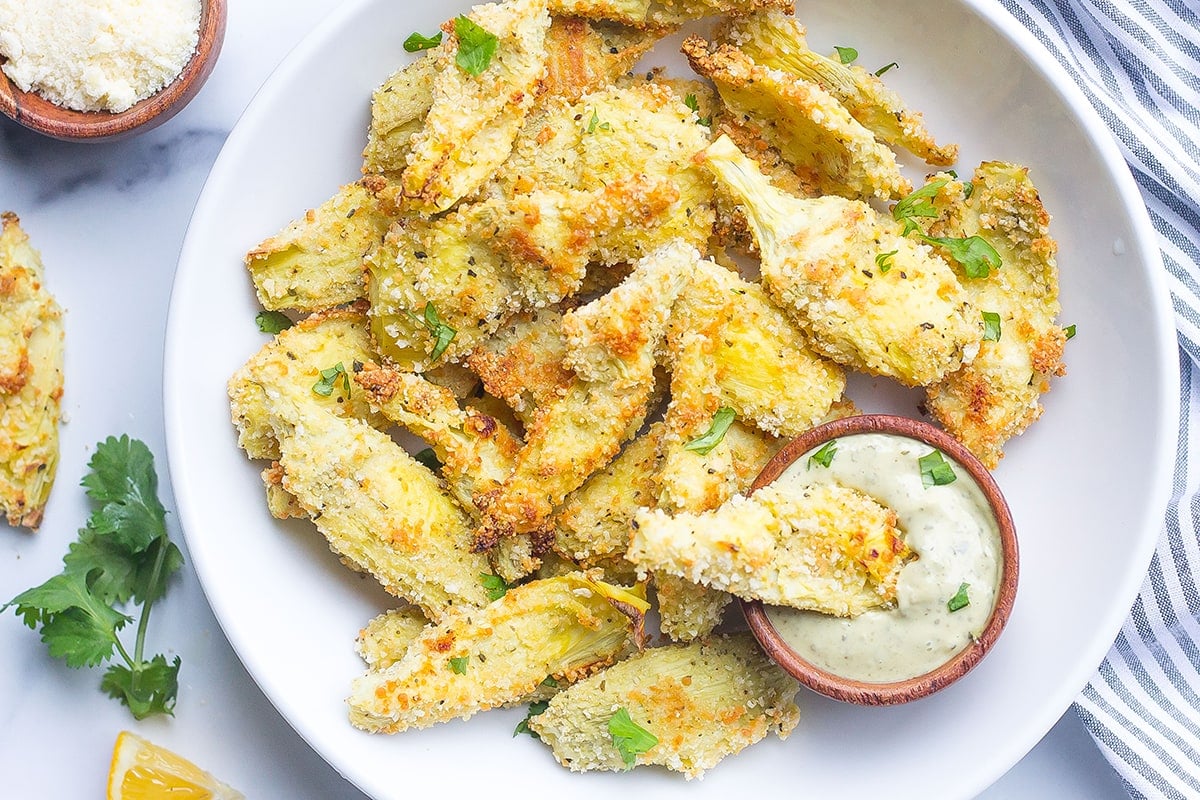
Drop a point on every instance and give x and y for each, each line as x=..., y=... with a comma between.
x=867, y=693
x=36, y=113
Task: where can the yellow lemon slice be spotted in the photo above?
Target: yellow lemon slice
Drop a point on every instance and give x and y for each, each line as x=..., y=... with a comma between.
x=141, y=770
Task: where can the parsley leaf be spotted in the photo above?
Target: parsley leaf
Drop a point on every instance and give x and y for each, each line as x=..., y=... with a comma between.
x=977, y=257
x=630, y=739
x=122, y=554
x=534, y=710
x=417, y=42
x=960, y=599
x=429, y=459
x=329, y=379
x=716, y=432
x=991, y=326
x=918, y=205
x=475, y=46
x=442, y=333
x=935, y=470
x=884, y=261
x=273, y=321
x=885, y=68
x=458, y=664
x=824, y=456
x=1070, y=331
x=494, y=585
x=691, y=102
x=847, y=55
x=594, y=124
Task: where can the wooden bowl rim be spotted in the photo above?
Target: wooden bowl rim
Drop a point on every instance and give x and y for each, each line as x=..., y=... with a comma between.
x=35, y=112
x=893, y=692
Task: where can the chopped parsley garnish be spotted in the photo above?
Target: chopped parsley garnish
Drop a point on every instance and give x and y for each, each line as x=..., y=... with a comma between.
x=630, y=739
x=549, y=682
x=935, y=470
x=716, y=432
x=273, y=321
x=960, y=599
x=416, y=42
x=123, y=554
x=475, y=46
x=847, y=55
x=329, y=379
x=429, y=459
x=991, y=326
x=918, y=205
x=884, y=261
x=534, y=710
x=442, y=333
x=691, y=102
x=885, y=68
x=968, y=190
x=825, y=455
x=977, y=257
x=594, y=124
x=494, y=585
x=458, y=664
x=1070, y=331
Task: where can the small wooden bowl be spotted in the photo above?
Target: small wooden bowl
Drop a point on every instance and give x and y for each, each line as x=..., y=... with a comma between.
x=39, y=114
x=891, y=693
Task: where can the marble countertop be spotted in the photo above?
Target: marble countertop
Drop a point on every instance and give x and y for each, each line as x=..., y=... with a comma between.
x=109, y=220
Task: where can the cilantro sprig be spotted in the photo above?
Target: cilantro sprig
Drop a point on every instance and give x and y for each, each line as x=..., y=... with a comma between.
x=694, y=104
x=442, y=333
x=122, y=556
x=824, y=456
x=716, y=432
x=273, y=321
x=476, y=46
x=535, y=708
x=976, y=256
x=630, y=739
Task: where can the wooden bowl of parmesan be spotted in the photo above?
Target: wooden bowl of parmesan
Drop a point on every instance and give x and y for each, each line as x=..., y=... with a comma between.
x=93, y=70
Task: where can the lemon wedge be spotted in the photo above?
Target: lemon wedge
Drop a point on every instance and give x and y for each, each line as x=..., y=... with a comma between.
x=141, y=770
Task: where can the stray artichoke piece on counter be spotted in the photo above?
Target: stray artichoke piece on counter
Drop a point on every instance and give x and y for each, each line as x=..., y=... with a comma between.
x=684, y=707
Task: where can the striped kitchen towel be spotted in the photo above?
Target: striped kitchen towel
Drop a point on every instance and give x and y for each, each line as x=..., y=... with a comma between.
x=1138, y=62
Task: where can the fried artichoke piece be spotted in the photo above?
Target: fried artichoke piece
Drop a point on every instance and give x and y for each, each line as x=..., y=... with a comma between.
x=776, y=40
x=316, y=262
x=701, y=701
x=820, y=261
x=829, y=149
x=652, y=13
x=31, y=378
x=523, y=363
x=582, y=55
x=385, y=639
x=381, y=511
x=996, y=396
x=480, y=658
x=611, y=345
x=398, y=110
x=473, y=119
x=821, y=548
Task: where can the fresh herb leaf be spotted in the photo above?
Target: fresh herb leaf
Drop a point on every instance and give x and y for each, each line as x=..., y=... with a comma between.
x=968, y=189
x=886, y=68
x=691, y=102
x=960, y=599
x=824, y=456
x=475, y=46
x=534, y=710
x=630, y=739
x=273, y=321
x=417, y=42
x=329, y=379
x=919, y=204
x=884, y=261
x=977, y=257
x=494, y=585
x=122, y=554
x=935, y=470
x=716, y=432
x=549, y=682
x=1070, y=331
x=991, y=326
x=458, y=664
x=846, y=54
x=429, y=459
x=442, y=333
x=594, y=124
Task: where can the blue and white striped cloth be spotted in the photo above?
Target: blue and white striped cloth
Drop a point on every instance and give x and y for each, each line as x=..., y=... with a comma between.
x=1138, y=62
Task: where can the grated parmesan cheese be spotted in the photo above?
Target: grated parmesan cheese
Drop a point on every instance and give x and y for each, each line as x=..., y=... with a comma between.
x=97, y=55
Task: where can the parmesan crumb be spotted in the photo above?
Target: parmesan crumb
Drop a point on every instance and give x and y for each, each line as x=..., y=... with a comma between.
x=97, y=55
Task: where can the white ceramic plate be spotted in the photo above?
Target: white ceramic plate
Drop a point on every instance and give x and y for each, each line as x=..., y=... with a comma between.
x=1087, y=485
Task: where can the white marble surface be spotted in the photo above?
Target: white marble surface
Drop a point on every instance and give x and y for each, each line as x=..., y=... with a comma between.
x=109, y=220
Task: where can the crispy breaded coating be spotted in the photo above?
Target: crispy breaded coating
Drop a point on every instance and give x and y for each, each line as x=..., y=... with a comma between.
x=523, y=363
x=31, y=378
x=280, y=502
x=398, y=109
x=475, y=659
x=651, y=13
x=611, y=344
x=473, y=120
x=582, y=55
x=385, y=639
x=912, y=321
x=996, y=396
x=316, y=262
x=828, y=148
x=821, y=548
x=776, y=40
x=701, y=701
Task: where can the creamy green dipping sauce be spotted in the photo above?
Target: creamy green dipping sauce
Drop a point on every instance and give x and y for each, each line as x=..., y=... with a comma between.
x=954, y=532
